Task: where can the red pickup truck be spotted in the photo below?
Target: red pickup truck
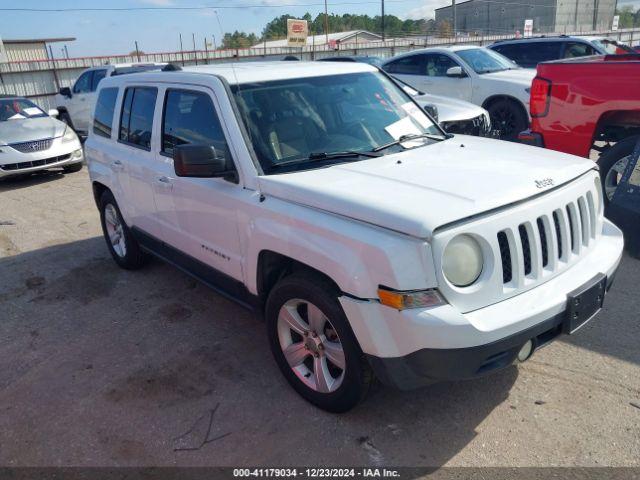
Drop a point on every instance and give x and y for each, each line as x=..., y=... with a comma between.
x=588, y=103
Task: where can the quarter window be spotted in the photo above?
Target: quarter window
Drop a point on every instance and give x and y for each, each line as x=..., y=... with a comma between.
x=190, y=118
x=136, y=121
x=105, y=107
x=575, y=49
x=83, y=84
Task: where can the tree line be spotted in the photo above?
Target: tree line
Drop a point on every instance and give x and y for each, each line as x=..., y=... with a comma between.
x=277, y=28
x=628, y=18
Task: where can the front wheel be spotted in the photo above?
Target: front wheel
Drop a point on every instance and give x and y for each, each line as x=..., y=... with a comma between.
x=613, y=162
x=313, y=344
x=508, y=119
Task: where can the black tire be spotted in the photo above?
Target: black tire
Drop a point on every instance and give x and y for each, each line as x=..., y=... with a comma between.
x=65, y=118
x=133, y=258
x=76, y=167
x=610, y=157
x=508, y=118
x=358, y=376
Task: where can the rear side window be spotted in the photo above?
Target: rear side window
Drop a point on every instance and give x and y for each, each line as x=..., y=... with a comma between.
x=105, y=107
x=411, y=65
x=136, y=120
x=190, y=118
x=529, y=54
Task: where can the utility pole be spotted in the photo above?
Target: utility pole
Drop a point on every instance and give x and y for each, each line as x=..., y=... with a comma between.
x=195, y=55
x=383, y=20
x=326, y=22
x=66, y=52
x=181, y=51
x=453, y=4
x=137, y=51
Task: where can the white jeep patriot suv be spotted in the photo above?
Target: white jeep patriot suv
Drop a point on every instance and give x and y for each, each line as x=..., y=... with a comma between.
x=375, y=244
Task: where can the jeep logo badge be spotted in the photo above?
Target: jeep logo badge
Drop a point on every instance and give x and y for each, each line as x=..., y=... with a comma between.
x=545, y=182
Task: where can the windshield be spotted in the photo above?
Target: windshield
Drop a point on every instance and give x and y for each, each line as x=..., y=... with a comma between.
x=292, y=121
x=18, y=109
x=483, y=60
x=611, y=47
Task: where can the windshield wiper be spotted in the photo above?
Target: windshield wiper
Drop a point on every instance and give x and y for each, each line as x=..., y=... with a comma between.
x=321, y=156
x=407, y=138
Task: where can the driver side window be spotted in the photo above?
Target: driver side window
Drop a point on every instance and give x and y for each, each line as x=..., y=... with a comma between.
x=437, y=64
x=83, y=84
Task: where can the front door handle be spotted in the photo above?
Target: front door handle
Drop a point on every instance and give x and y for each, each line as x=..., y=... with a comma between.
x=117, y=165
x=165, y=182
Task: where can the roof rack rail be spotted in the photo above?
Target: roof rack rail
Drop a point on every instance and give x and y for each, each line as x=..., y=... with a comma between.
x=171, y=67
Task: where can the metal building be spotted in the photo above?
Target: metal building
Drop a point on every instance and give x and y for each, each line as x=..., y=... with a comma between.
x=27, y=49
x=508, y=16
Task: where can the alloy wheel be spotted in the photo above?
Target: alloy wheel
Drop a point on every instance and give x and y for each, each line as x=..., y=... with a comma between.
x=311, y=346
x=613, y=177
x=115, y=230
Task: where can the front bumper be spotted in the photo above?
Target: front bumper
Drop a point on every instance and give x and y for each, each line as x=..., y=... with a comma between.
x=58, y=155
x=411, y=348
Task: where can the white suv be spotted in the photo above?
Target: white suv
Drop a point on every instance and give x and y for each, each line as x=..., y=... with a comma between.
x=373, y=242
x=75, y=105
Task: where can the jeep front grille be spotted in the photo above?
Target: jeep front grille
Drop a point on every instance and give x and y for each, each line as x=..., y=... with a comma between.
x=535, y=247
x=31, y=147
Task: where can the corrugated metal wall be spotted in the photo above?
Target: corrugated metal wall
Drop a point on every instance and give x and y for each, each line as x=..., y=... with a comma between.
x=26, y=52
x=40, y=80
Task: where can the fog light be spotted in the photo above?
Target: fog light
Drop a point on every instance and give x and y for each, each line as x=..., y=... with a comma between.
x=525, y=351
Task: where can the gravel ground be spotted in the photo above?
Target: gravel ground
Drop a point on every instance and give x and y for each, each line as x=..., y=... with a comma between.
x=104, y=367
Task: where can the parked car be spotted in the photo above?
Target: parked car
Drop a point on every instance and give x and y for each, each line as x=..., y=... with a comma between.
x=474, y=74
x=528, y=52
x=371, y=241
x=32, y=140
x=75, y=104
x=375, y=61
x=453, y=115
x=578, y=104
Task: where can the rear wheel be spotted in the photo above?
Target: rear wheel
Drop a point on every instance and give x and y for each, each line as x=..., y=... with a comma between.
x=508, y=119
x=121, y=243
x=313, y=344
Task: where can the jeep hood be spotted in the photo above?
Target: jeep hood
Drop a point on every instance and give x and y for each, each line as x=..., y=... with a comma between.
x=418, y=190
x=29, y=129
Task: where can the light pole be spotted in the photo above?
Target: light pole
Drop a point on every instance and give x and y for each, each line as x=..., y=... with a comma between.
x=383, y=20
x=326, y=22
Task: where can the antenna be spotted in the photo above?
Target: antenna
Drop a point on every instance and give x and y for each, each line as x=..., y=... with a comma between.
x=233, y=68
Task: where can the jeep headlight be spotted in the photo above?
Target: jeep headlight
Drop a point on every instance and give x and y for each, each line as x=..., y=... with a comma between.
x=462, y=261
x=69, y=136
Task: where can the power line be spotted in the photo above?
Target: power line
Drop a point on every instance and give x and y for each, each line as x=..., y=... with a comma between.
x=204, y=7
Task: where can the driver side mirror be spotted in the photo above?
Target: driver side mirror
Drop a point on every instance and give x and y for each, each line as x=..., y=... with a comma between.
x=456, y=72
x=66, y=92
x=53, y=113
x=203, y=161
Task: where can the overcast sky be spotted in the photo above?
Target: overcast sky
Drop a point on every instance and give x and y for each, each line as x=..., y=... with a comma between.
x=102, y=33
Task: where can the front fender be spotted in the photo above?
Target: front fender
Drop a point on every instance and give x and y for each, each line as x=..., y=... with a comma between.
x=358, y=257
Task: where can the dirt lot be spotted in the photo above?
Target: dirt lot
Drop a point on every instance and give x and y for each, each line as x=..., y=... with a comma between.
x=106, y=367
